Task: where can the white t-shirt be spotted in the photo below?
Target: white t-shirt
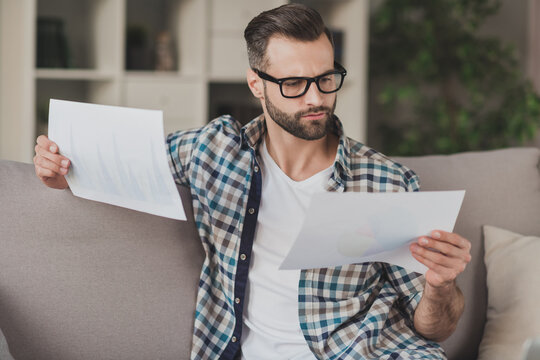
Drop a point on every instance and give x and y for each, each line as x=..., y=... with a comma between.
x=271, y=328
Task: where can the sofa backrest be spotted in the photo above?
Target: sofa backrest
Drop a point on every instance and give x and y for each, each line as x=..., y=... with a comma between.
x=502, y=189
x=85, y=280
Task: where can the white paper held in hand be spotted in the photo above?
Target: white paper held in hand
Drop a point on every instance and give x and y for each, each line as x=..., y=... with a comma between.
x=350, y=228
x=117, y=155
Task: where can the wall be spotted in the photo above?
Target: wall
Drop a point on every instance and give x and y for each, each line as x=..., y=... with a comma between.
x=514, y=24
x=16, y=34
x=510, y=24
x=1, y=2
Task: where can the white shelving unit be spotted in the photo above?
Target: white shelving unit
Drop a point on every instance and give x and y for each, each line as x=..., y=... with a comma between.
x=207, y=45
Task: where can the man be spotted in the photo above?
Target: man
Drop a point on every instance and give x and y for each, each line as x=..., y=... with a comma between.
x=250, y=189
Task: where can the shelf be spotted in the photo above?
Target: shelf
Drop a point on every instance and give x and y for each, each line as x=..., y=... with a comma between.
x=159, y=75
x=235, y=99
x=151, y=34
x=73, y=74
x=76, y=50
x=64, y=34
x=72, y=89
x=227, y=79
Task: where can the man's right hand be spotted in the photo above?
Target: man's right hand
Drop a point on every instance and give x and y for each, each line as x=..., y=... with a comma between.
x=50, y=165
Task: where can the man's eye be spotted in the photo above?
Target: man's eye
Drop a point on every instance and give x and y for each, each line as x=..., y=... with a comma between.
x=292, y=83
x=326, y=79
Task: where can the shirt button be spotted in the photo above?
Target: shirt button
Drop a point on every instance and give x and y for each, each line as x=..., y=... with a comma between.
x=237, y=300
x=256, y=169
x=243, y=257
x=234, y=339
x=251, y=211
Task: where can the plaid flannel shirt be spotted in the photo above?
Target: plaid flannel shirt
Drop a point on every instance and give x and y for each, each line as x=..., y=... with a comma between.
x=359, y=311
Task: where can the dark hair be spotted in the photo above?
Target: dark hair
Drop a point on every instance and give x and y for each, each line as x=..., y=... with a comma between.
x=293, y=21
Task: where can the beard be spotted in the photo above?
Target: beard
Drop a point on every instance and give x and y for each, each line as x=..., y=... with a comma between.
x=302, y=128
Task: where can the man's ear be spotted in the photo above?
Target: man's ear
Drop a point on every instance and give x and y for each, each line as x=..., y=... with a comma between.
x=255, y=84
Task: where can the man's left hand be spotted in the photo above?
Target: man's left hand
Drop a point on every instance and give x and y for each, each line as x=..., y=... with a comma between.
x=445, y=254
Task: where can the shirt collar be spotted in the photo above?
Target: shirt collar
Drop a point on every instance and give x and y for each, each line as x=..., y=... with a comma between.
x=253, y=133
x=342, y=169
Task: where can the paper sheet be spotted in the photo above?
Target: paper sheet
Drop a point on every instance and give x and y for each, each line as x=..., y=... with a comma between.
x=117, y=155
x=349, y=228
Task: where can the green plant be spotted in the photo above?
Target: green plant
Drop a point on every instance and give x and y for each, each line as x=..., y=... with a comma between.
x=442, y=88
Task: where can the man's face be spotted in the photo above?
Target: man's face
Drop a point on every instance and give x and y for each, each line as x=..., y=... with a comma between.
x=298, y=123
x=307, y=117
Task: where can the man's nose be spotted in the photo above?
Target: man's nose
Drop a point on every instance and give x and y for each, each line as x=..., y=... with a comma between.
x=313, y=96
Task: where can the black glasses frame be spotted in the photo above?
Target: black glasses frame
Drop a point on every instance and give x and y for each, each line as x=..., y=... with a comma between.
x=339, y=69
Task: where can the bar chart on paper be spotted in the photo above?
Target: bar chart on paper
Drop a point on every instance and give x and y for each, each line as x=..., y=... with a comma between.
x=117, y=156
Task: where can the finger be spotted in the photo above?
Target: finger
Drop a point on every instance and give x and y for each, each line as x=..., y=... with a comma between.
x=451, y=238
x=445, y=248
x=46, y=164
x=44, y=142
x=57, y=159
x=439, y=258
x=443, y=271
x=439, y=273
x=45, y=174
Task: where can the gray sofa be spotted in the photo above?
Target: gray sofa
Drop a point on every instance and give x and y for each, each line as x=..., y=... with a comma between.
x=86, y=280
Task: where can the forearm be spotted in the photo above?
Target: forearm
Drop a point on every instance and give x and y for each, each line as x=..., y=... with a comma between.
x=438, y=311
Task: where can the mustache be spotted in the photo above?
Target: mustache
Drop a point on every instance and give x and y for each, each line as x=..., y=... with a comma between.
x=312, y=110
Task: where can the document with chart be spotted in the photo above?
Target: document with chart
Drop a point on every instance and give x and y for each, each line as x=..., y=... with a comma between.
x=117, y=155
x=350, y=228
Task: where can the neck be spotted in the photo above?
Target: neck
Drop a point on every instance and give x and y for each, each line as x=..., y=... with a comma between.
x=298, y=158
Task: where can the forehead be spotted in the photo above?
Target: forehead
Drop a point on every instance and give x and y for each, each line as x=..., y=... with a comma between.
x=289, y=57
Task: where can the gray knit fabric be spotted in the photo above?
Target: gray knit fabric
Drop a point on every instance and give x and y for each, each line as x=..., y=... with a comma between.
x=4, y=349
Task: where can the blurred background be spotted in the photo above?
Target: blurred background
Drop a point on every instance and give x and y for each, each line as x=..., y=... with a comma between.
x=424, y=76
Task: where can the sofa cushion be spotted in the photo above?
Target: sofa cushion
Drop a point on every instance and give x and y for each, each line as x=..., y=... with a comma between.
x=86, y=280
x=513, y=274
x=503, y=190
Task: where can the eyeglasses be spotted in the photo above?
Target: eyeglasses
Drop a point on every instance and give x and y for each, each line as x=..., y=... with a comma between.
x=293, y=87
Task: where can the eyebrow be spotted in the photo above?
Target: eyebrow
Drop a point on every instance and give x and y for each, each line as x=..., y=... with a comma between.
x=298, y=76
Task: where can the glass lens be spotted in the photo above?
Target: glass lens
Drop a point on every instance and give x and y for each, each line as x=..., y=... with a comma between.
x=293, y=87
x=330, y=82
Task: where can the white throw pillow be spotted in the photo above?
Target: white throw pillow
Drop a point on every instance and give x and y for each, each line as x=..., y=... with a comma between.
x=513, y=282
